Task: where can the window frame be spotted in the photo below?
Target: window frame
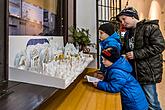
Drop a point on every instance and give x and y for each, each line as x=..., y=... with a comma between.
x=114, y=7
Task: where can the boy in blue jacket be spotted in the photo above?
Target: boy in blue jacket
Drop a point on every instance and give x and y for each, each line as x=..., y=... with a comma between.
x=118, y=79
x=108, y=37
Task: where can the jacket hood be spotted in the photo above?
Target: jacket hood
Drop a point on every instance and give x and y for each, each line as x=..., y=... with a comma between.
x=113, y=40
x=156, y=22
x=114, y=35
x=122, y=64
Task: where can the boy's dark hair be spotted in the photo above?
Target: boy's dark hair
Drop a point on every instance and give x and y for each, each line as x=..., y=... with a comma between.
x=112, y=54
x=108, y=28
x=129, y=11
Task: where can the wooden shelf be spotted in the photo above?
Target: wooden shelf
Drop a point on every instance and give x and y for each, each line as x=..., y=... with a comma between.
x=83, y=96
x=25, y=96
x=79, y=95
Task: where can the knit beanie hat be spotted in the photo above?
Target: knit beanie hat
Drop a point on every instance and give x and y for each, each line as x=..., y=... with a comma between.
x=108, y=28
x=129, y=11
x=112, y=54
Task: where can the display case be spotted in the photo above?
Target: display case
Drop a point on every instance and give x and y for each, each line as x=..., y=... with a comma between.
x=31, y=17
x=45, y=61
x=38, y=31
x=3, y=48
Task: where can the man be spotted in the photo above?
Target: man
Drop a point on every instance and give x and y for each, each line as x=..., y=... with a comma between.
x=144, y=45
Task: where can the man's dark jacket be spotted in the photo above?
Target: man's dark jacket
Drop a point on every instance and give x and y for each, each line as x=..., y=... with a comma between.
x=148, y=47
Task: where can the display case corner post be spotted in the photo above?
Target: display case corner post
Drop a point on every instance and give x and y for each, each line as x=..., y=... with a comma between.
x=4, y=40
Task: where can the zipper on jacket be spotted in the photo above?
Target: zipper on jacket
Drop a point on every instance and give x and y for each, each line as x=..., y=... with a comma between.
x=136, y=70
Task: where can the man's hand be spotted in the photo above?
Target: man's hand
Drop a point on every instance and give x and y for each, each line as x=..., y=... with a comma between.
x=130, y=55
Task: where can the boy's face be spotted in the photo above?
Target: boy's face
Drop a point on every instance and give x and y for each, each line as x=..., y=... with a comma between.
x=127, y=21
x=102, y=35
x=106, y=62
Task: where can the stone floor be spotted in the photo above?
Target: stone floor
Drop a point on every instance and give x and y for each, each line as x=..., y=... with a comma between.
x=161, y=90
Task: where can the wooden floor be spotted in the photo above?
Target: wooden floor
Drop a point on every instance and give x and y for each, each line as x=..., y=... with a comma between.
x=83, y=97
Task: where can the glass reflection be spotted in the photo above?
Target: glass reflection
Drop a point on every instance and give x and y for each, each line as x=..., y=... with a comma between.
x=35, y=17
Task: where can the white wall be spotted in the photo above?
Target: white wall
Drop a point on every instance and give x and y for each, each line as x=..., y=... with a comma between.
x=86, y=17
x=142, y=6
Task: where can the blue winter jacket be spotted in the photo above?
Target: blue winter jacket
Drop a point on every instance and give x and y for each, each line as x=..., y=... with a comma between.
x=111, y=41
x=119, y=79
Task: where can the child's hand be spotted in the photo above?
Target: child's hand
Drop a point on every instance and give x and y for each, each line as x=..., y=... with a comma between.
x=96, y=72
x=99, y=76
x=95, y=84
x=130, y=55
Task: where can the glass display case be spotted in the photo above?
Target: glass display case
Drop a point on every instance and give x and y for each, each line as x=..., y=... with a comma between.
x=3, y=48
x=45, y=61
x=31, y=17
x=42, y=55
